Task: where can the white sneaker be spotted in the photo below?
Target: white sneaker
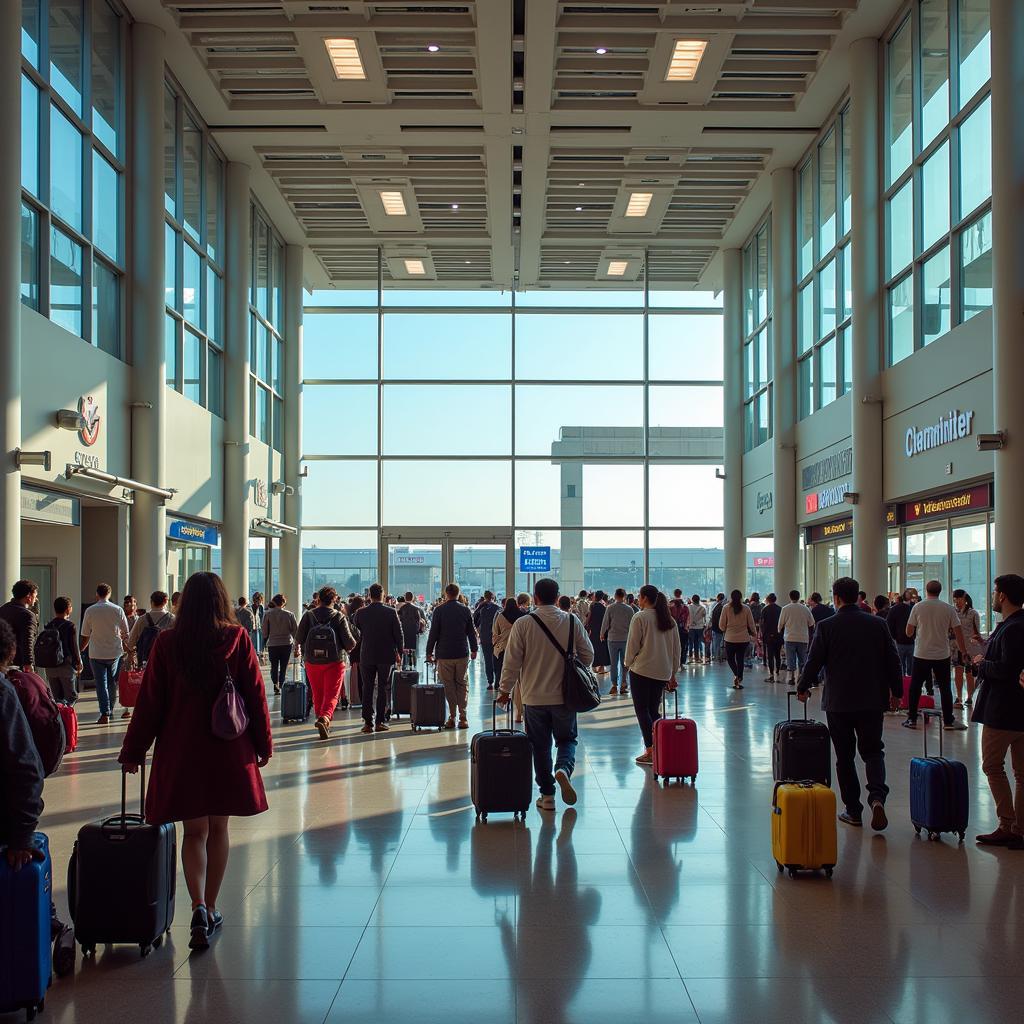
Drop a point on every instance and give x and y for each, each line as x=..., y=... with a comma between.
x=568, y=793
x=546, y=803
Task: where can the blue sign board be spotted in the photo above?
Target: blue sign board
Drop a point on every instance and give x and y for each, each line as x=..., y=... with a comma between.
x=193, y=533
x=535, y=559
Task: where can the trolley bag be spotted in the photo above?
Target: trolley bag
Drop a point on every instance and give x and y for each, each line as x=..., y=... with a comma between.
x=25, y=931
x=501, y=769
x=801, y=750
x=296, y=697
x=939, y=800
x=675, y=746
x=129, y=682
x=136, y=859
x=69, y=717
x=428, y=708
x=804, y=827
x=403, y=679
x=924, y=702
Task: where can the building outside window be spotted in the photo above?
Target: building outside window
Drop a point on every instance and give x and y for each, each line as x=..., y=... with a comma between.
x=266, y=323
x=825, y=289
x=757, y=338
x=193, y=255
x=72, y=167
x=938, y=150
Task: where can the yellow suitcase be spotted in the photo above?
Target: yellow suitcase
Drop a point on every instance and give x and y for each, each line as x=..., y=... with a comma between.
x=804, y=827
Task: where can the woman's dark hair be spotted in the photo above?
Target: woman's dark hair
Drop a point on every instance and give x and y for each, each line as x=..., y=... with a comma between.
x=510, y=606
x=355, y=603
x=204, y=613
x=277, y=600
x=565, y=602
x=695, y=599
x=8, y=644
x=736, y=601
x=959, y=592
x=655, y=597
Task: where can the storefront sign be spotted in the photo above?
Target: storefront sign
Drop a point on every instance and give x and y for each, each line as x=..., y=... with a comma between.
x=409, y=559
x=764, y=501
x=955, y=503
x=89, y=432
x=828, y=498
x=192, y=533
x=535, y=559
x=764, y=562
x=951, y=426
x=47, y=507
x=829, y=531
x=831, y=468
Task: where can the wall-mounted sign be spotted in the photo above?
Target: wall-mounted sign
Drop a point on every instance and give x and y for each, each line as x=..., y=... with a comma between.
x=764, y=502
x=259, y=489
x=951, y=426
x=955, y=503
x=831, y=468
x=409, y=560
x=835, y=530
x=828, y=498
x=47, y=507
x=764, y=562
x=87, y=460
x=537, y=559
x=193, y=533
x=89, y=431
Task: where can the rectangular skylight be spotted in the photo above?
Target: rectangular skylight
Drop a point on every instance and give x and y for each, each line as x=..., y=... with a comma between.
x=617, y=268
x=344, y=54
x=393, y=203
x=638, y=204
x=414, y=267
x=686, y=58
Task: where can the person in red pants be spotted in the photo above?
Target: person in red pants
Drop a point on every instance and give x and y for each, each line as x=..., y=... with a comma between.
x=324, y=635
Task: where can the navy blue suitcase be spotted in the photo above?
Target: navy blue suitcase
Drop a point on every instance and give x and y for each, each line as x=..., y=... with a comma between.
x=428, y=708
x=939, y=797
x=25, y=931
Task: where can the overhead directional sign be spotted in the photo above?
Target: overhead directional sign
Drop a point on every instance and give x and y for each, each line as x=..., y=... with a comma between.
x=535, y=559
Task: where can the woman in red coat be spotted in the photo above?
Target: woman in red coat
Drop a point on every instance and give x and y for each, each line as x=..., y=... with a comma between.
x=197, y=778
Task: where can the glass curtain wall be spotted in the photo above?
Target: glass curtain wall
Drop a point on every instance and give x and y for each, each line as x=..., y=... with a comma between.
x=266, y=323
x=72, y=167
x=825, y=289
x=757, y=338
x=938, y=145
x=588, y=422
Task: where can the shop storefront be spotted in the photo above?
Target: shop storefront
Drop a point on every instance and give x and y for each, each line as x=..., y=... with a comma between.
x=190, y=547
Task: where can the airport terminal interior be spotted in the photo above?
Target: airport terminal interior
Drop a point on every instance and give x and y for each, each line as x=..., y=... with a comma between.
x=705, y=296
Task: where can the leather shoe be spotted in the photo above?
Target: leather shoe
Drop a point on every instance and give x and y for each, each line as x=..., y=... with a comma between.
x=1001, y=837
x=879, y=821
x=848, y=819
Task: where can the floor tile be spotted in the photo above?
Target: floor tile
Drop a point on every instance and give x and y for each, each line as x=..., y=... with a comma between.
x=604, y=1001
x=425, y=1002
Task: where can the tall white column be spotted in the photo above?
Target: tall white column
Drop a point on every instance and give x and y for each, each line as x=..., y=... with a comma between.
x=10, y=287
x=869, y=539
x=784, y=507
x=147, y=567
x=291, y=544
x=235, y=536
x=735, y=542
x=1008, y=277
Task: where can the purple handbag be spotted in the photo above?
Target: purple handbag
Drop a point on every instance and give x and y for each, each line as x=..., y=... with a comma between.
x=229, y=719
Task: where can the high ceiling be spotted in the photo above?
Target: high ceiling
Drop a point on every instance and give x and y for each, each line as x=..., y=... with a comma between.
x=515, y=131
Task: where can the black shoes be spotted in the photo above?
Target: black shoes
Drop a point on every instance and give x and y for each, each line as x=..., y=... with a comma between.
x=848, y=819
x=200, y=929
x=879, y=821
x=216, y=919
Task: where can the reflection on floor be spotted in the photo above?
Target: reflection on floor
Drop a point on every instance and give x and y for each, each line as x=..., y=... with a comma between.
x=368, y=893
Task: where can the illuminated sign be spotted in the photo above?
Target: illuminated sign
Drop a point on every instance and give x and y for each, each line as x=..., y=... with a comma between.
x=832, y=468
x=535, y=559
x=828, y=498
x=409, y=560
x=194, y=533
x=954, y=503
x=829, y=531
x=951, y=426
x=764, y=562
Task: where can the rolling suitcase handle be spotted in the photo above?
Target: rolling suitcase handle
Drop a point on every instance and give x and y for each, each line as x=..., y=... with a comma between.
x=926, y=714
x=664, y=702
x=494, y=717
x=789, y=705
x=124, y=817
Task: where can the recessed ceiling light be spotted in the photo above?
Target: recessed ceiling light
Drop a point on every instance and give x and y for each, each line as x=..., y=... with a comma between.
x=433, y=47
x=455, y=206
x=686, y=58
x=566, y=262
x=578, y=208
x=617, y=268
x=582, y=184
x=414, y=267
x=639, y=203
x=468, y=262
x=393, y=203
x=602, y=50
x=518, y=131
x=344, y=54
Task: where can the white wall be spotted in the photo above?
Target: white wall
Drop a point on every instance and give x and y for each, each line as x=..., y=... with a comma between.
x=64, y=543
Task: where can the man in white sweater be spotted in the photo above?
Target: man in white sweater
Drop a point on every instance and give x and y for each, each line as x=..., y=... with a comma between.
x=537, y=664
x=795, y=625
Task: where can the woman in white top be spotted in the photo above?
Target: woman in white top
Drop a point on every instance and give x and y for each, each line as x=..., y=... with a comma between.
x=652, y=657
x=737, y=623
x=970, y=623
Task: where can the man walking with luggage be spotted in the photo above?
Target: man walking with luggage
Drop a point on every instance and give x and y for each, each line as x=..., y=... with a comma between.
x=795, y=624
x=483, y=619
x=105, y=633
x=615, y=629
x=863, y=680
x=413, y=623
x=532, y=660
x=381, y=641
x=452, y=638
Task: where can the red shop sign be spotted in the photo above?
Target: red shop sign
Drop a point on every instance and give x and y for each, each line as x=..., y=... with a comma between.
x=954, y=503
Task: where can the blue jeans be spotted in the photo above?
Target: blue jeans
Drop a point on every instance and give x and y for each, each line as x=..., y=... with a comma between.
x=546, y=724
x=717, y=639
x=696, y=643
x=796, y=655
x=617, y=650
x=104, y=672
x=906, y=652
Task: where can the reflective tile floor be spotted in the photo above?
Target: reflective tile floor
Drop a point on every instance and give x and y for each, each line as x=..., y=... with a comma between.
x=368, y=892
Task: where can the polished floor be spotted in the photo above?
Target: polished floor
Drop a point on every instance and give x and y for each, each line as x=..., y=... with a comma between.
x=368, y=892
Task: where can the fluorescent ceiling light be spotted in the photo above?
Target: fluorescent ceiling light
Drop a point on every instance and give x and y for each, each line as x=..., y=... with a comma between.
x=602, y=50
x=686, y=58
x=393, y=203
x=433, y=47
x=617, y=268
x=414, y=267
x=344, y=54
x=639, y=203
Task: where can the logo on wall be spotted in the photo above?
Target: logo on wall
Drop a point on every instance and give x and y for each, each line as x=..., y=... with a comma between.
x=260, y=492
x=89, y=431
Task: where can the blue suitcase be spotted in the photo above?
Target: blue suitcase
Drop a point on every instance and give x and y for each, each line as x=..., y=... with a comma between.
x=939, y=799
x=25, y=952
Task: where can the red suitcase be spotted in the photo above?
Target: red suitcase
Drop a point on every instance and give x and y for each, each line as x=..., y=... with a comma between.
x=69, y=717
x=923, y=704
x=129, y=682
x=675, y=747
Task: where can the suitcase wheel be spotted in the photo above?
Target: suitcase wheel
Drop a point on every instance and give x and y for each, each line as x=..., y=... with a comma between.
x=88, y=950
x=415, y=728
x=917, y=829
x=934, y=836
x=792, y=872
x=828, y=870
x=665, y=783
x=158, y=942
x=144, y=951
x=780, y=867
x=961, y=835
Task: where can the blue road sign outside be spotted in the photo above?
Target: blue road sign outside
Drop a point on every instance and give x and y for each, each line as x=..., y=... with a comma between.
x=535, y=559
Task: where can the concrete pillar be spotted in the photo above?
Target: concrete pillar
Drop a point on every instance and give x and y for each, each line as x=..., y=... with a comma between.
x=784, y=506
x=869, y=538
x=735, y=542
x=1008, y=278
x=147, y=570
x=291, y=544
x=235, y=537
x=10, y=287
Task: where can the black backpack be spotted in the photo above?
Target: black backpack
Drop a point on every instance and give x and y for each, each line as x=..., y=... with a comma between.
x=49, y=648
x=147, y=638
x=321, y=646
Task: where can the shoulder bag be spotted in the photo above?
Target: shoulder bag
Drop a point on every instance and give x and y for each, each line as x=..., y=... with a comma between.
x=229, y=719
x=581, y=690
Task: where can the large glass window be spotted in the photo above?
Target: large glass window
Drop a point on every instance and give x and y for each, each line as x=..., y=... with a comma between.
x=757, y=368
x=939, y=172
x=267, y=262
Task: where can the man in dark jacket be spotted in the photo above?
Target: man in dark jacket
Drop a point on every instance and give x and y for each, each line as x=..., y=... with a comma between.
x=896, y=618
x=453, y=639
x=381, y=641
x=863, y=680
x=483, y=619
x=717, y=636
x=18, y=614
x=771, y=636
x=413, y=623
x=999, y=707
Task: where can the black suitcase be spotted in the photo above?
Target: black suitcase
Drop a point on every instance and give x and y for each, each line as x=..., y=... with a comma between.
x=501, y=770
x=428, y=708
x=801, y=750
x=296, y=697
x=121, y=879
x=402, y=681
